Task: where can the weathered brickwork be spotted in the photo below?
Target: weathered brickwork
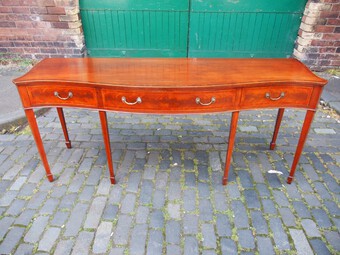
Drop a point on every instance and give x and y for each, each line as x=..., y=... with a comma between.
x=318, y=43
x=40, y=28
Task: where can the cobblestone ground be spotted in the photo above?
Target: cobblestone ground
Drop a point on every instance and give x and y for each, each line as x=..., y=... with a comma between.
x=169, y=198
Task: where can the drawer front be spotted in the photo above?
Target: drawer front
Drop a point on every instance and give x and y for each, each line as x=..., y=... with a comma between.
x=156, y=101
x=276, y=96
x=63, y=96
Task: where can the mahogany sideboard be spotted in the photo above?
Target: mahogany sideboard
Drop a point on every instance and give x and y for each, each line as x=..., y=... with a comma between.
x=170, y=86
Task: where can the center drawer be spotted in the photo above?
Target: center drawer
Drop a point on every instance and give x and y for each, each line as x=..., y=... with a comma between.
x=163, y=101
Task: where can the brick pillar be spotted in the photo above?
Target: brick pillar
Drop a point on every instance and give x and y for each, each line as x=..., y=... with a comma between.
x=40, y=29
x=318, y=42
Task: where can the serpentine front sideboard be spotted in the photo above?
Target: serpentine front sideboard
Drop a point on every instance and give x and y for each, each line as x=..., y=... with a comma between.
x=170, y=86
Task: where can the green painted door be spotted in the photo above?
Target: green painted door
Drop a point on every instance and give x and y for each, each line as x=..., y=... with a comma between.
x=244, y=28
x=135, y=28
x=191, y=28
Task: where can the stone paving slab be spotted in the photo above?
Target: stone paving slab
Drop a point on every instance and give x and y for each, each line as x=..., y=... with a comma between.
x=169, y=198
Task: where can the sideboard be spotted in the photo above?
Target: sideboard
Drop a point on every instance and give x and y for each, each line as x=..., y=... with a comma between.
x=170, y=86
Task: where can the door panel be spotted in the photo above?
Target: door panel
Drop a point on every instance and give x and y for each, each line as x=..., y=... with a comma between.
x=244, y=28
x=129, y=28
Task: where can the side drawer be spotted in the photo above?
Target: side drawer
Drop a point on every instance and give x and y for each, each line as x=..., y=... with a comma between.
x=276, y=96
x=160, y=101
x=63, y=96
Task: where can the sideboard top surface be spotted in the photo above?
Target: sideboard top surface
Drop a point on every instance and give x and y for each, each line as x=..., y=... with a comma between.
x=170, y=72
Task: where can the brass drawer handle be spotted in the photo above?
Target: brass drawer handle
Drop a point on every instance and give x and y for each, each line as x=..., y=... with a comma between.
x=198, y=101
x=70, y=95
x=282, y=95
x=138, y=101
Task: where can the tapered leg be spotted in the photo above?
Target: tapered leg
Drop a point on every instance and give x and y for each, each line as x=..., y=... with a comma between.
x=36, y=134
x=232, y=134
x=304, y=133
x=63, y=125
x=277, y=127
x=105, y=130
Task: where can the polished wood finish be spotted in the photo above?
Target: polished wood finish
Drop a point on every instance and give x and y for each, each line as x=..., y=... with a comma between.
x=277, y=127
x=303, y=136
x=231, y=141
x=169, y=101
x=64, y=127
x=170, y=72
x=105, y=130
x=45, y=96
x=294, y=96
x=37, y=138
x=155, y=85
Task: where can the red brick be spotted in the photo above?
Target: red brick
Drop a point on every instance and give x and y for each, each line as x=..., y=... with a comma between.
x=45, y=37
x=330, y=1
x=17, y=50
x=48, y=50
x=336, y=7
x=7, y=24
x=313, y=49
x=21, y=10
x=327, y=50
x=328, y=56
x=334, y=22
x=58, y=56
x=65, y=51
x=324, y=62
x=58, y=44
x=41, y=56
x=3, y=50
x=22, y=44
x=3, y=17
x=70, y=45
x=24, y=38
x=63, y=38
x=56, y=10
x=41, y=24
x=337, y=30
x=323, y=29
x=333, y=37
x=322, y=43
x=6, y=44
x=23, y=24
x=329, y=14
x=63, y=25
x=28, y=2
x=31, y=50
x=313, y=56
x=4, y=9
x=10, y=2
x=338, y=50
x=43, y=44
x=335, y=62
x=69, y=3
x=45, y=3
x=39, y=10
x=19, y=17
x=50, y=17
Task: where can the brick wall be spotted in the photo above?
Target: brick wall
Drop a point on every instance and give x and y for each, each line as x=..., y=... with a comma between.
x=40, y=28
x=318, y=42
